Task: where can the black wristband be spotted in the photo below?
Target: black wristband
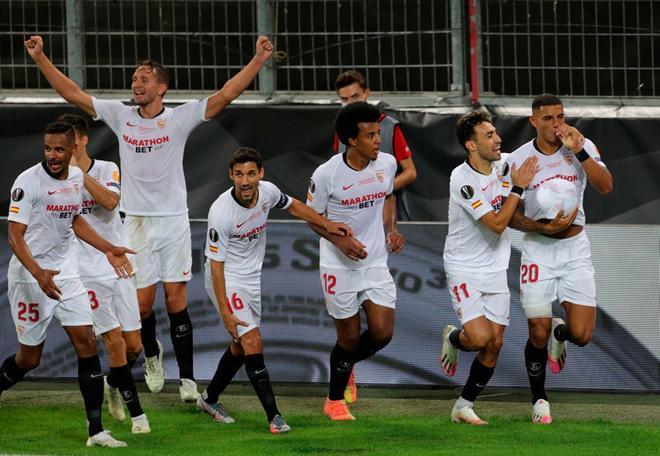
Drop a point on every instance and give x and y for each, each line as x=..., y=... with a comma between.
x=517, y=190
x=582, y=156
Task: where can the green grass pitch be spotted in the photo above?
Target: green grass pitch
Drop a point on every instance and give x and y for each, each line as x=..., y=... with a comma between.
x=48, y=418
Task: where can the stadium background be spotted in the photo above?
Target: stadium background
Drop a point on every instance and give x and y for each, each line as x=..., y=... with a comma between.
x=600, y=56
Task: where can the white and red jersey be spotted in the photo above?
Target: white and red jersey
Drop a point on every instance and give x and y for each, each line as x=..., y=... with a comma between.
x=92, y=262
x=151, y=152
x=561, y=165
x=47, y=206
x=470, y=246
x=355, y=198
x=236, y=235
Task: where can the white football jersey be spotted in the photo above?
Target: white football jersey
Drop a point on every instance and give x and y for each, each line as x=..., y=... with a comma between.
x=561, y=165
x=355, y=198
x=470, y=246
x=236, y=235
x=151, y=152
x=47, y=206
x=92, y=262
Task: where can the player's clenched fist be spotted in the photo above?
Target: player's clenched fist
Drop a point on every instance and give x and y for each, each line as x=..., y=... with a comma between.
x=395, y=242
x=571, y=138
x=34, y=46
x=264, y=48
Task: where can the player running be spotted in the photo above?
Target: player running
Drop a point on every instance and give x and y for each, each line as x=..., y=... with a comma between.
x=356, y=188
x=476, y=255
x=556, y=265
x=43, y=279
x=235, y=249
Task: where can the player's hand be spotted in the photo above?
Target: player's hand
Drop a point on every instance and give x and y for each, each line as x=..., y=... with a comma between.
x=34, y=46
x=395, y=242
x=47, y=283
x=231, y=322
x=352, y=248
x=571, y=138
x=338, y=229
x=523, y=177
x=264, y=49
x=560, y=222
x=118, y=259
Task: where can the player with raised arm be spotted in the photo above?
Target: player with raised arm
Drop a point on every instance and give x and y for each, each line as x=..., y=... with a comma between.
x=476, y=255
x=43, y=279
x=113, y=301
x=151, y=147
x=556, y=265
x=355, y=188
x=235, y=249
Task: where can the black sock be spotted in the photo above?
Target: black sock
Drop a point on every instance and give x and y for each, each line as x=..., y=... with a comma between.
x=123, y=378
x=366, y=348
x=90, y=381
x=181, y=331
x=148, y=336
x=341, y=364
x=454, y=338
x=561, y=333
x=227, y=368
x=258, y=375
x=535, y=361
x=10, y=373
x=477, y=380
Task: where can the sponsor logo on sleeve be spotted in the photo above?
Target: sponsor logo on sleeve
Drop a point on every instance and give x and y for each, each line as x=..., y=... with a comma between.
x=17, y=194
x=312, y=186
x=467, y=192
x=213, y=235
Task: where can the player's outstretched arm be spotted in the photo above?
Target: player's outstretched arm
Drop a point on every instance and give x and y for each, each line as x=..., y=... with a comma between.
x=116, y=255
x=236, y=85
x=407, y=175
x=219, y=288
x=395, y=240
x=64, y=86
x=44, y=277
x=306, y=213
x=521, y=178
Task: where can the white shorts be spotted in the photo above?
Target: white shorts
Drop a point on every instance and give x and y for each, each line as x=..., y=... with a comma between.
x=555, y=269
x=32, y=310
x=244, y=301
x=473, y=296
x=163, y=248
x=346, y=289
x=114, y=304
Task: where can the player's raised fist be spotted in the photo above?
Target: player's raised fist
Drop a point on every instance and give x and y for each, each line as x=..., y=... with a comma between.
x=571, y=138
x=264, y=48
x=34, y=45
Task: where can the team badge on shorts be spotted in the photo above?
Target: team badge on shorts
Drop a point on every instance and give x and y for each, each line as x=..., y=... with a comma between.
x=20, y=329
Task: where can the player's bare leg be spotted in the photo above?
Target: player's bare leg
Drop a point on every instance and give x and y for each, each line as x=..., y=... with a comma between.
x=154, y=375
x=181, y=332
x=120, y=384
x=90, y=380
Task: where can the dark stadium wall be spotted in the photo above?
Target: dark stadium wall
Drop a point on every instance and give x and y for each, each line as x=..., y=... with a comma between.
x=295, y=139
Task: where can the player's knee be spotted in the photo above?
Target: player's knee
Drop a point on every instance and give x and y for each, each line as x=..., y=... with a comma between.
x=381, y=339
x=114, y=343
x=582, y=338
x=27, y=363
x=539, y=335
x=477, y=340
